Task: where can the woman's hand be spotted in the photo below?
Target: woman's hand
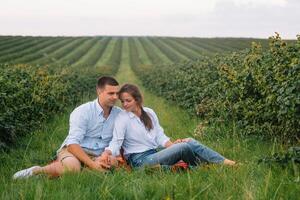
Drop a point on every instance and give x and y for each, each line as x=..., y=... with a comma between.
x=182, y=140
x=168, y=144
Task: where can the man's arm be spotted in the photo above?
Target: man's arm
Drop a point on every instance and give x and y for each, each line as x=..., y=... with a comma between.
x=78, y=129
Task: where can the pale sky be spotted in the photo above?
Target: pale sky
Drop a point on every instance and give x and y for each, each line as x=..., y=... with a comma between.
x=186, y=18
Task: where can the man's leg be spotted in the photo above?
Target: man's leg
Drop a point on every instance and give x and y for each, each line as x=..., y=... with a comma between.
x=57, y=168
x=66, y=162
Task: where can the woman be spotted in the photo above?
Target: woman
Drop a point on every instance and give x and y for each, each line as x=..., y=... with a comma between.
x=138, y=132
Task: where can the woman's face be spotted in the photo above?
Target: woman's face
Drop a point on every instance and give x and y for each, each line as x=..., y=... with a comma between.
x=128, y=102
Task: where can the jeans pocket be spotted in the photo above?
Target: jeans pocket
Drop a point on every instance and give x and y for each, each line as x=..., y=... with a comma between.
x=134, y=161
x=137, y=163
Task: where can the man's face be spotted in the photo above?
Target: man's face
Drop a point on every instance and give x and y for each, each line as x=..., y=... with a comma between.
x=108, y=95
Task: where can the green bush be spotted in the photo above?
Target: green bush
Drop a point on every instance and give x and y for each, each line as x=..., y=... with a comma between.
x=31, y=94
x=27, y=97
x=262, y=92
x=258, y=90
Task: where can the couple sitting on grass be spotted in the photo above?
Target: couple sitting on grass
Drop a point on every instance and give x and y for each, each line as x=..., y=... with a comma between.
x=99, y=130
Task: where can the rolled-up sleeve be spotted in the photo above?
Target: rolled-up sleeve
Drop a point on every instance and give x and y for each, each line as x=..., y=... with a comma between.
x=118, y=135
x=78, y=127
x=161, y=138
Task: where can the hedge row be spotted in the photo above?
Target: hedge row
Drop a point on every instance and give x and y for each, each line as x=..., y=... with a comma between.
x=258, y=90
x=29, y=95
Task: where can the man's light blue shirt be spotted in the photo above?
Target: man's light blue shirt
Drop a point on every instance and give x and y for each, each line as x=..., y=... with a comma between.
x=130, y=133
x=90, y=129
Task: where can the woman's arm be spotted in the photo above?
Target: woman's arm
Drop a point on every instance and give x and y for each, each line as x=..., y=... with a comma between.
x=182, y=140
x=161, y=139
x=117, y=140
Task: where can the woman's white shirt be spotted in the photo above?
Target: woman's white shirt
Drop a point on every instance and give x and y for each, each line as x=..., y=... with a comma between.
x=131, y=134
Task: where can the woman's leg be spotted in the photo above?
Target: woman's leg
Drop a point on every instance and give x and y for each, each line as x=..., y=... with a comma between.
x=191, y=152
x=169, y=156
x=205, y=154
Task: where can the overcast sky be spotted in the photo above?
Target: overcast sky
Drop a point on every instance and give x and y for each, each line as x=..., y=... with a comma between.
x=198, y=18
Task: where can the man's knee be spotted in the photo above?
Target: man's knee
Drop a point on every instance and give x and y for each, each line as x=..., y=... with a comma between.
x=71, y=164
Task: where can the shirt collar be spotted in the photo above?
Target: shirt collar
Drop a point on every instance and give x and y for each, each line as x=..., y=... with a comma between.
x=98, y=107
x=131, y=114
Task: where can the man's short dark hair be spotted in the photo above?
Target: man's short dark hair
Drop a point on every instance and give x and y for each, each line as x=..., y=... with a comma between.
x=106, y=80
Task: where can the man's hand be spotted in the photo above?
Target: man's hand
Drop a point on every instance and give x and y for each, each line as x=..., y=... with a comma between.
x=96, y=165
x=104, y=160
x=78, y=152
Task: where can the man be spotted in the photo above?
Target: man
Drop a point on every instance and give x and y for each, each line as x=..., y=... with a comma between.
x=90, y=131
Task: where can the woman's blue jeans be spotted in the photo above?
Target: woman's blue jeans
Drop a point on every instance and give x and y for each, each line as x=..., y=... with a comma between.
x=191, y=152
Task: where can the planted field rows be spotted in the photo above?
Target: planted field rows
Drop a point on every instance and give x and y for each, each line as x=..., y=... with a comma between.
x=106, y=51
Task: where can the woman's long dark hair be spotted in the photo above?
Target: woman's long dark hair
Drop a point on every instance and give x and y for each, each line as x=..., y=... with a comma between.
x=137, y=96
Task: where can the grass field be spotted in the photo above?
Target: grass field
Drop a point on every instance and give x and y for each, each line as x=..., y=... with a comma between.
x=249, y=180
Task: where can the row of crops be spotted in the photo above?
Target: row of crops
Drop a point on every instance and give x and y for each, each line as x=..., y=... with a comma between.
x=87, y=51
x=256, y=90
x=55, y=73
x=39, y=76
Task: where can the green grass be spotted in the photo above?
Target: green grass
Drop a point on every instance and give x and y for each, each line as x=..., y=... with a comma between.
x=247, y=181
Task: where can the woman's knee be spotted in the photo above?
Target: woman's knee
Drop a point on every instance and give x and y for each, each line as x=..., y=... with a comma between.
x=183, y=147
x=192, y=141
x=194, y=144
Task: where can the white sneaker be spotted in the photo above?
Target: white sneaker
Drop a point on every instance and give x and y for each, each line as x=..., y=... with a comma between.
x=25, y=173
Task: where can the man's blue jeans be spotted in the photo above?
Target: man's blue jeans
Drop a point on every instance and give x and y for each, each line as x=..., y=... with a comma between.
x=191, y=152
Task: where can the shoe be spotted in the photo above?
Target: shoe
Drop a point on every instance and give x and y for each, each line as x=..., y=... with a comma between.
x=25, y=173
x=180, y=166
